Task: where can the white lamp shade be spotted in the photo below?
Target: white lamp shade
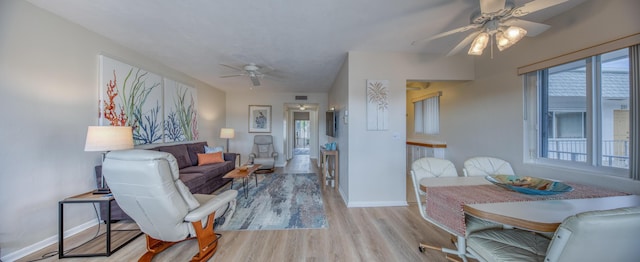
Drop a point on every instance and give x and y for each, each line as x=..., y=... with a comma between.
x=108, y=138
x=227, y=133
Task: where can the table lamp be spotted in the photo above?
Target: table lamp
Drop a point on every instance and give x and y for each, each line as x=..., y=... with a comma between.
x=227, y=133
x=105, y=139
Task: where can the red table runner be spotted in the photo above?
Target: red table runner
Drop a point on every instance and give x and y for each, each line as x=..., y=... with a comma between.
x=445, y=203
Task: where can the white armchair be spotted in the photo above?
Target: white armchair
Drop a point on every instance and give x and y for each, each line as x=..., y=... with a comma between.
x=263, y=153
x=146, y=186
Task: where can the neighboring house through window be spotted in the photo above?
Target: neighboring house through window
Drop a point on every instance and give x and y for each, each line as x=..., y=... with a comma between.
x=579, y=111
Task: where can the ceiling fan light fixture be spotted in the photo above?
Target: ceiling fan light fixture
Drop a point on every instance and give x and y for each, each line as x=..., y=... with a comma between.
x=508, y=37
x=479, y=43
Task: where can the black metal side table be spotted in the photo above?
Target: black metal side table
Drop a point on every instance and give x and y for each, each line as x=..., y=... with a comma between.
x=89, y=197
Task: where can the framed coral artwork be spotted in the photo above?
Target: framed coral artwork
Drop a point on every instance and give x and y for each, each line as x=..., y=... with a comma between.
x=131, y=96
x=180, y=112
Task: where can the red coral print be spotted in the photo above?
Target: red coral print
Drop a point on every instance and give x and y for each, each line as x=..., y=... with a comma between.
x=110, y=112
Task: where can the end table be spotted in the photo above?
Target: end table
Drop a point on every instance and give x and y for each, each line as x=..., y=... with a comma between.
x=89, y=197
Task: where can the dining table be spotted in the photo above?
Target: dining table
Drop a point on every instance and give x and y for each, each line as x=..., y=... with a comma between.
x=449, y=199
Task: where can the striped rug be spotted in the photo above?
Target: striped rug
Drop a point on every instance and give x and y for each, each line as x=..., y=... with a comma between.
x=280, y=201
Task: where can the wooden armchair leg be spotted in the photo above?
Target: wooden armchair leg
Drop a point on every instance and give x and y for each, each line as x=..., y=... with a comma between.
x=207, y=242
x=207, y=239
x=154, y=247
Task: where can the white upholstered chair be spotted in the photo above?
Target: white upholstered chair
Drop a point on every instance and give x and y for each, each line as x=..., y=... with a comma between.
x=608, y=235
x=429, y=167
x=484, y=166
x=146, y=186
x=263, y=153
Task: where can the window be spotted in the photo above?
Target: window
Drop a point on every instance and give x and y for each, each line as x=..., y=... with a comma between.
x=577, y=113
x=426, y=111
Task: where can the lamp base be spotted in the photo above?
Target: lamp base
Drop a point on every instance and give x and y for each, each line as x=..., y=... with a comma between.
x=102, y=191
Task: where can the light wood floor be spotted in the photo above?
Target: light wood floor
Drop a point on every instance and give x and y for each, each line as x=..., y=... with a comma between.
x=353, y=234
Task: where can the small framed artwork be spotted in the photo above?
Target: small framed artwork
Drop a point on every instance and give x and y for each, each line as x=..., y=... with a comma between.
x=259, y=119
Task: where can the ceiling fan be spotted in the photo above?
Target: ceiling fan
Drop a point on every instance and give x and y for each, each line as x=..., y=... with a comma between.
x=251, y=70
x=497, y=19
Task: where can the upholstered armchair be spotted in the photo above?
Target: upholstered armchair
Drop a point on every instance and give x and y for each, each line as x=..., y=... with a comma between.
x=145, y=183
x=263, y=152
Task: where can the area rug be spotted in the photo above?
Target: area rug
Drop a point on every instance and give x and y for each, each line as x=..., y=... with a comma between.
x=280, y=201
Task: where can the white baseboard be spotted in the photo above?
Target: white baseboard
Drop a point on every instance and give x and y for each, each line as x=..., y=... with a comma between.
x=377, y=204
x=46, y=242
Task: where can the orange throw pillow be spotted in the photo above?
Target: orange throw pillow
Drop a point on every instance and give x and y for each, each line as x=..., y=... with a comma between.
x=212, y=158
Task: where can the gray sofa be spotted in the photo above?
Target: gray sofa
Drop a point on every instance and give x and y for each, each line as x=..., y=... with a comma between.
x=203, y=179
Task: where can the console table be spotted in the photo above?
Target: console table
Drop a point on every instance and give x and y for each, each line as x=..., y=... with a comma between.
x=329, y=162
x=89, y=197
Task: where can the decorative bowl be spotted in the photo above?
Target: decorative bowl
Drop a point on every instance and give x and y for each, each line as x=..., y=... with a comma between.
x=530, y=185
x=243, y=168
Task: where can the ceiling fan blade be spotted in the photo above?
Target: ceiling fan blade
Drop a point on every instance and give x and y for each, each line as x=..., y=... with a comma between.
x=232, y=75
x=535, y=6
x=451, y=32
x=255, y=81
x=232, y=67
x=491, y=6
x=466, y=41
x=533, y=28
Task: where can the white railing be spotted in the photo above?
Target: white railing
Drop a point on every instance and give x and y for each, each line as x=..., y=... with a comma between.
x=615, y=153
x=416, y=150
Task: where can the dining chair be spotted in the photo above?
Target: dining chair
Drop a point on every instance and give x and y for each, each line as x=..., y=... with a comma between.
x=484, y=166
x=147, y=187
x=605, y=235
x=429, y=167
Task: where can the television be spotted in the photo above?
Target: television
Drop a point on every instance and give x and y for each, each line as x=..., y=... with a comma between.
x=332, y=123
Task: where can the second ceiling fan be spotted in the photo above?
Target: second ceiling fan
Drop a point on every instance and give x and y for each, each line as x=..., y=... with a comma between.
x=253, y=71
x=497, y=20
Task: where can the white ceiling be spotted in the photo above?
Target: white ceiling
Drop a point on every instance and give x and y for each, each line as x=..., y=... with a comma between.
x=305, y=42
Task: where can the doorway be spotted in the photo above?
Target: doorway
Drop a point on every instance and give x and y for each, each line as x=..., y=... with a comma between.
x=302, y=133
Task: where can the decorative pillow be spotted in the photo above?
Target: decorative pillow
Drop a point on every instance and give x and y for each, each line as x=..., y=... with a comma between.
x=212, y=158
x=208, y=150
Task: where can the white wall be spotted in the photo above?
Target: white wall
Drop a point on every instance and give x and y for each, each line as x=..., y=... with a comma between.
x=484, y=117
x=48, y=97
x=238, y=119
x=376, y=170
x=339, y=100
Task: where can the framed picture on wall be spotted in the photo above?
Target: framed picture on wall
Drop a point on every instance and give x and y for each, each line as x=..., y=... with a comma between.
x=259, y=119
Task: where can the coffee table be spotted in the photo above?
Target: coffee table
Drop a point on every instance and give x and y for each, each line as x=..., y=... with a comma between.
x=244, y=174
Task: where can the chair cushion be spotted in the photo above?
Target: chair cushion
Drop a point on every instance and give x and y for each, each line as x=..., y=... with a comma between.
x=508, y=245
x=179, y=152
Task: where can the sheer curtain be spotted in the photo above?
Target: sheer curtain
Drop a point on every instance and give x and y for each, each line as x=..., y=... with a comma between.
x=427, y=114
